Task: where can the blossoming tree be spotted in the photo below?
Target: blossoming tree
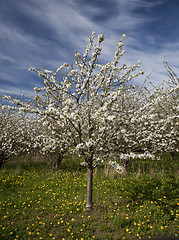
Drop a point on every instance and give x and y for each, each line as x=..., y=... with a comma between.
x=160, y=117
x=126, y=134
x=18, y=134
x=149, y=121
x=79, y=107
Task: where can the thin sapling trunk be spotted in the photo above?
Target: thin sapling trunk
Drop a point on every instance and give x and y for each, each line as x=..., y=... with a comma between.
x=89, y=202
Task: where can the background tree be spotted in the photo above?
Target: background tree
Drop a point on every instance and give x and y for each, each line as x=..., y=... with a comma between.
x=18, y=134
x=160, y=117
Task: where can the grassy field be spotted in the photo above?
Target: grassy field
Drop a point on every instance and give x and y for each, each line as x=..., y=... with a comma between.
x=37, y=203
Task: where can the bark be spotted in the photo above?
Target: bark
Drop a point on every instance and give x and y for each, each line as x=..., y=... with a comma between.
x=57, y=164
x=172, y=154
x=126, y=164
x=89, y=202
x=1, y=162
x=60, y=156
x=2, y=159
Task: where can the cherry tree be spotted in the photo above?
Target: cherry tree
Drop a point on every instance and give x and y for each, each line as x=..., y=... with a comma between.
x=55, y=138
x=78, y=106
x=49, y=132
x=18, y=134
x=159, y=117
x=172, y=110
x=151, y=126
x=125, y=142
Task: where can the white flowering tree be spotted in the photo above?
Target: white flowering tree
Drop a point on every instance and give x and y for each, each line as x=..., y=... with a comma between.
x=56, y=138
x=152, y=123
x=79, y=107
x=161, y=116
x=18, y=134
x=125, y=142
x=48, y=130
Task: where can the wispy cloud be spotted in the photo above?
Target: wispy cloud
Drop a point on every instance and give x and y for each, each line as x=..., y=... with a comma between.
x=15, y=91
x=48, y=33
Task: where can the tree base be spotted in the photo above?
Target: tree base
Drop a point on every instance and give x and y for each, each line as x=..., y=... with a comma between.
x=88, y=207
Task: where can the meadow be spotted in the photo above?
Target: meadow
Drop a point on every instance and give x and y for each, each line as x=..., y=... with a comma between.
x=37, y=203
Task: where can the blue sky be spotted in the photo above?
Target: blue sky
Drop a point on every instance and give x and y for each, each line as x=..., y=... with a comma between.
x=38, y=33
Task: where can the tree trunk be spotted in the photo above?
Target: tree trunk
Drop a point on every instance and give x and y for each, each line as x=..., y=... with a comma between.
x=89, y=202
x=172, y=154
x=60, y=156
x=2, y=159
x=1, y=162
x=57, y=164
x=126, y=164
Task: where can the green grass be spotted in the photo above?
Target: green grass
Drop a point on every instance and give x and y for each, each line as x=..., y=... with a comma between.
x=37, y=203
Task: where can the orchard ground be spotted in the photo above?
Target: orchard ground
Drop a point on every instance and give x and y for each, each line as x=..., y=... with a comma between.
x=37, y=203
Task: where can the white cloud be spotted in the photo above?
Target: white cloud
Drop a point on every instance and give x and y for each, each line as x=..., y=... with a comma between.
x=67, y=25
x=15, y=91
